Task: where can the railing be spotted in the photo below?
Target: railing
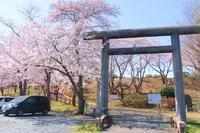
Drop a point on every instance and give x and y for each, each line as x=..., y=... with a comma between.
x=62, y=98
x=66, y=99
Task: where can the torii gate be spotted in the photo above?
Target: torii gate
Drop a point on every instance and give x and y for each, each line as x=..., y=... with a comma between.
x=174, y=48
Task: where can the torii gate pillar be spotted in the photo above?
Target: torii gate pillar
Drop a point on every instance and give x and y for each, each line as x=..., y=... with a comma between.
x=103, y=95
x=178, y=78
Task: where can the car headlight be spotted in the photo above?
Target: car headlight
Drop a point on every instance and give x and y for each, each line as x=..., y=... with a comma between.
x=4, y=106
x=12, y=105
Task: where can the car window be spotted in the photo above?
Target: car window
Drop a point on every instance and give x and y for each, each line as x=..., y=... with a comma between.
x=19, y=99
x=1, y=99
x=43, y=100
x=32, y=100
x=8, y=99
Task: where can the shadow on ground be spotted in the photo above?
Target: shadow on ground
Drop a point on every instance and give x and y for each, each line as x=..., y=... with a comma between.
x=132, y=119
x=120, y=118
x=140, y=121
x=55, y=119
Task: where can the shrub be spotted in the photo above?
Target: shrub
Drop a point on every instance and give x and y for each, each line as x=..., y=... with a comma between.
x=156, y=76
x=170, y=103
x=167, y=91
x=196, y=107
x=149, y=76
x=135, y=101
x=151, y=92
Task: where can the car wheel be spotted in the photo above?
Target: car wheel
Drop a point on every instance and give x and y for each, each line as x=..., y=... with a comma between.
x=6, y=114
x=19, y=112
x=45, y=112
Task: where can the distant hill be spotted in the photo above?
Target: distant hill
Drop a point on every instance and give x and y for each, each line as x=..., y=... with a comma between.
x=153, y=84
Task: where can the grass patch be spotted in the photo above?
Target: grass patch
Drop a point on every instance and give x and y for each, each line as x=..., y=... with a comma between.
x=59, y=106
x=193, y=126
x=87, y=128
x=62, y=107
x=135, y=101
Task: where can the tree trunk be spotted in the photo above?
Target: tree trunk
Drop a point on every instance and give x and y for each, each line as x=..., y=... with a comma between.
x=48, y=81
x=2, y=91
x=137, y=89
x=28, y=91
x=24, y=87
x=122, y=91
x=122, y=94
x=56, y=93
x=43, y=88
x=164, y=80
x=81, y=101
x=74, y=99
x=15, y=88
x=20, y=89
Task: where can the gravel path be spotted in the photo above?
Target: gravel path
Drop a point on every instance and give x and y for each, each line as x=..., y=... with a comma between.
x=125, y=121
x=52, y=123
x=118, y=129
x=136, y=122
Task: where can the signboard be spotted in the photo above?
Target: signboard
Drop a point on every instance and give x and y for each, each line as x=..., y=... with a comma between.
x=114, y=97
x=154, y=98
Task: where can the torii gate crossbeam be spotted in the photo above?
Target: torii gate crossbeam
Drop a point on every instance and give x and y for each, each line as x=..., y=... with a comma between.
x=174, y=48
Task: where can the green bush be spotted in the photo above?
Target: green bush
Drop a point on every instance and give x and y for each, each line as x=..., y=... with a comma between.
x=85, y=128
x=167, y=91
x=135, y=101
x=196, y=107
x=149, y=76
x=193, y=126
x=156, y=76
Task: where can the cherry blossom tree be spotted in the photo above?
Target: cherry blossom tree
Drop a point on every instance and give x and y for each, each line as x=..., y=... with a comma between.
x=20, y=53
x=162, y=64
x=37, y=48
x=191, y=48
x=83, y=58
x=19, y=61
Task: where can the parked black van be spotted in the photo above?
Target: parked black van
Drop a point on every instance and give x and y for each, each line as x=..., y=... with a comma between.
x=27, y=104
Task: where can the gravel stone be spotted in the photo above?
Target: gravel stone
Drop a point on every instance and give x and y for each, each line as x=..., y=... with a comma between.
x=52, y=123
x=124, y=121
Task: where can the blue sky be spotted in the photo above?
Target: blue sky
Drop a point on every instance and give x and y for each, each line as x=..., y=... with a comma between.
x=134, y=13
x=149, y=13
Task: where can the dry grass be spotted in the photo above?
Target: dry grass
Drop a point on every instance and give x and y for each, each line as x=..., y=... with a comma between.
x=192, y=87
x=31, y=91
